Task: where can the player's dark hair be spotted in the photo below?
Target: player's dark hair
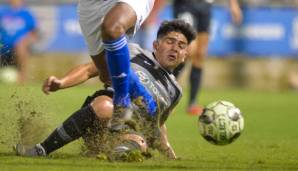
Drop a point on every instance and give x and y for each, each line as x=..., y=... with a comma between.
x=178, y=26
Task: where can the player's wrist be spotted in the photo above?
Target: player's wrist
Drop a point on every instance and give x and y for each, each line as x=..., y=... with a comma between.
x=62, y=83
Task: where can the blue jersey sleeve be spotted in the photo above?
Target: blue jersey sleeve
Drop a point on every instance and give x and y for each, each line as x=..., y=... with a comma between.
x=30, y=21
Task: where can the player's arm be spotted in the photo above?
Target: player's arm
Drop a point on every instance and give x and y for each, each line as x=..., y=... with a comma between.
x=165, y=146
x=235, y=11
x=158, y=6
x=75, y=76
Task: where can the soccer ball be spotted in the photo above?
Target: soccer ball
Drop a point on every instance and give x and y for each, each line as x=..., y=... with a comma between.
x=8, y=75
x=221, y=123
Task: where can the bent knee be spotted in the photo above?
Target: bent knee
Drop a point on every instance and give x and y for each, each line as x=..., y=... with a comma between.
x=112, y=30
x=117, y=21
x=103, y=107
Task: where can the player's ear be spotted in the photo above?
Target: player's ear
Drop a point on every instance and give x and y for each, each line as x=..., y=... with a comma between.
x=155, y=45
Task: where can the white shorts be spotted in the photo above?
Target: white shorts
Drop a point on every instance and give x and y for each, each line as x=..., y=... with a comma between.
x=91, y=15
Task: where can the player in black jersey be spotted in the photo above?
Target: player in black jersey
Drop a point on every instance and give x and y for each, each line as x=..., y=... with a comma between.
x=198, y=13
x=140, y=130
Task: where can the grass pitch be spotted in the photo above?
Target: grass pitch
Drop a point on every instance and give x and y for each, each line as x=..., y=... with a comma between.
x=269, y=140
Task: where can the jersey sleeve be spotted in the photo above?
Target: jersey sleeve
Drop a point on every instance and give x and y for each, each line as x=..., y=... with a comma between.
x=30, y=21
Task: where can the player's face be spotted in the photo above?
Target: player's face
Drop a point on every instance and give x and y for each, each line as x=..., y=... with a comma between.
x=171, y=50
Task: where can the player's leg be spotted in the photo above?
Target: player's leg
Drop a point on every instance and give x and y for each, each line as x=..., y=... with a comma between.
x=103, y=21
x=187, y=12
x=101, y=65
x=198, y=53
x=114, y=25
x=95, y=139
x=114, y=28
x=72, y=128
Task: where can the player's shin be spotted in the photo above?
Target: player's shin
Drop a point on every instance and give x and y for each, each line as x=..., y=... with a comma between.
x=71, y=129
x=195, y=82
x=117, y=56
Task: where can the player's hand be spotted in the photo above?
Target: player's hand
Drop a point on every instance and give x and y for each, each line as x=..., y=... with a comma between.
x=170, y=154
x=51, y=84
x=168, y=151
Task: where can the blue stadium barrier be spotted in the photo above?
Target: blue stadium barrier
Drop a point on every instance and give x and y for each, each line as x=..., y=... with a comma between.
x=265, y=32
x=68, y=36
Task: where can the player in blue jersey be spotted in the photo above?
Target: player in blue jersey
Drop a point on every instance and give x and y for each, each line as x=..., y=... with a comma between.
x=17, y=32
x=140, y=129
x=198, y=13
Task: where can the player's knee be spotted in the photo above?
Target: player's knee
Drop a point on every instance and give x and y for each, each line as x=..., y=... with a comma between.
x=103, y=107
x=112, y=30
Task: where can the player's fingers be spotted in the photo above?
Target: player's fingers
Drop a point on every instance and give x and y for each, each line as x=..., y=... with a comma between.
x=45, y=87
x=47, y=84
x=54, y=84
x=46, y=91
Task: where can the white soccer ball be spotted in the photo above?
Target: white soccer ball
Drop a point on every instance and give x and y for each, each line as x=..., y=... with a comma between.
x=8, y=75
x=221, y=123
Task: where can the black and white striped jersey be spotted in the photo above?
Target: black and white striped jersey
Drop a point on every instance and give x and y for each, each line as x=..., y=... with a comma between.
x=158, y=81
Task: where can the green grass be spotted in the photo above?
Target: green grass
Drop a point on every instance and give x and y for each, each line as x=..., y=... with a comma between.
x=269, y=140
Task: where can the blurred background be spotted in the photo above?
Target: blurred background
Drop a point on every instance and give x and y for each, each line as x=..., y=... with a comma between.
x=261, y=53
x=254, y=65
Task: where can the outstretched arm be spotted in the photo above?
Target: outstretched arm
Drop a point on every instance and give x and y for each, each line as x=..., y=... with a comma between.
x=165, y=146
x=75, y=76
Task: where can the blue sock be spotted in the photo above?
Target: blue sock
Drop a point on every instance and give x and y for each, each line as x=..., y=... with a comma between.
x=137, y=89
x=117, y=55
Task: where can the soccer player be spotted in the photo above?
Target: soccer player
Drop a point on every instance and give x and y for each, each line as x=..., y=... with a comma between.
x=140, y=130
x=104, y=24
x=18, y=30
x=198, y=13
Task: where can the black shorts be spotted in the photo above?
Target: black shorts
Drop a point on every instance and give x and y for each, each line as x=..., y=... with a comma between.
x=106, y=92
x=198, y=14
